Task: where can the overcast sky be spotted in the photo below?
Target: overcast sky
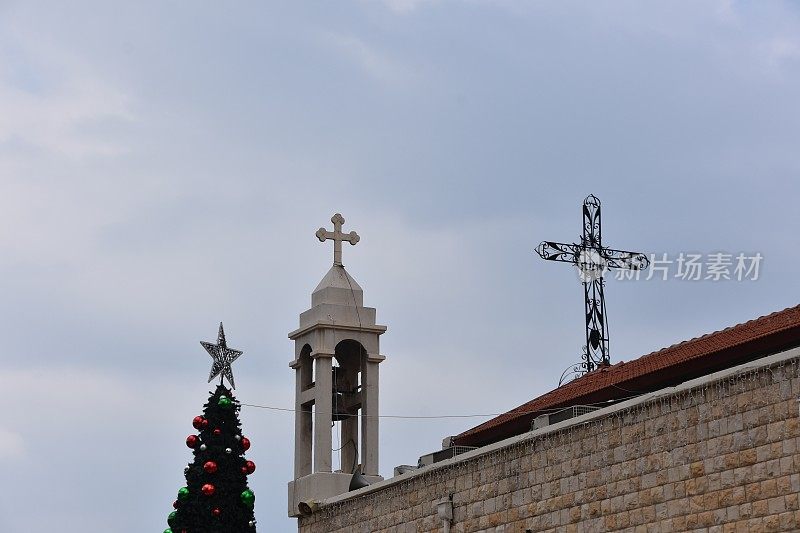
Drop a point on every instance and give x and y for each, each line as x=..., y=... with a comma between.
x=164, y=166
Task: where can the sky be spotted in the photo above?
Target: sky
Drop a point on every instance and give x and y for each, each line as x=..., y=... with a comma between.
x=164, y=166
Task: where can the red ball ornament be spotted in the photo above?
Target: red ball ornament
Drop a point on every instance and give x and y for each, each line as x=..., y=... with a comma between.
x=210, y=467
x=208, y=489
x=217, y=432
x=175, y=504
x=191, y=441
x=198, y=422
x=245, y=443
x=205, y=423
x=216, y=512
x=251, y=467
x=244, y=470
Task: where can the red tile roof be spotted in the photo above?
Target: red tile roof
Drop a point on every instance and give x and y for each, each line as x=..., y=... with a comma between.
x=663, y=368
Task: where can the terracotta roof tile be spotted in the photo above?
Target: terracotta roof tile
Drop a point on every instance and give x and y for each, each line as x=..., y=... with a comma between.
x=668, y=366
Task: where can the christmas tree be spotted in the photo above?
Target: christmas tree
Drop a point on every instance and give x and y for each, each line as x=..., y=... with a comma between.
x=216, y=498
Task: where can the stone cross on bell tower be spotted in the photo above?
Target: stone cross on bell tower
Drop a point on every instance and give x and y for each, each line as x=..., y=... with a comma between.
x=336, y=381
x=337, y=237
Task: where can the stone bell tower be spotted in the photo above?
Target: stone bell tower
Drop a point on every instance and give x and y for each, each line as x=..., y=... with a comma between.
x=336, y=380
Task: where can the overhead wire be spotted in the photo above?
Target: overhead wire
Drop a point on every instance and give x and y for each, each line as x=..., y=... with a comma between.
x=470, y=415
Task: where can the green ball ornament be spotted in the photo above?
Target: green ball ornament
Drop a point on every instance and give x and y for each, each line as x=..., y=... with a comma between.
x=171, y=518
x=224, y=402
x=168, y=530
x=183, y=494
x=248, y=498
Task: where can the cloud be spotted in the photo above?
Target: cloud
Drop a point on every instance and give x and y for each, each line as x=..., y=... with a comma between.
x=103, y=393
x=405, y=6
x=377, y=64
x=725, y=11
x=780, y=50
x=11, y=445
x=55, y=101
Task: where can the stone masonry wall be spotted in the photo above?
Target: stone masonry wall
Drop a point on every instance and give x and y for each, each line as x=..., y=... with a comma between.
x=721, y=456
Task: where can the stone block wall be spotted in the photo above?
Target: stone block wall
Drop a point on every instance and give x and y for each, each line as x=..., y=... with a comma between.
x=719, y=454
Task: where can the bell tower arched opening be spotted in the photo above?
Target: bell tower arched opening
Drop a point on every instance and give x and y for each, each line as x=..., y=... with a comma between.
x=350, y=356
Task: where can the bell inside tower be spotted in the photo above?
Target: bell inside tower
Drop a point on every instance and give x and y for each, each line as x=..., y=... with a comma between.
x=346, y=400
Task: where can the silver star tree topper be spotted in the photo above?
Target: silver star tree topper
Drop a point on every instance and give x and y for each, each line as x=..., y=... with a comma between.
x=223, y=357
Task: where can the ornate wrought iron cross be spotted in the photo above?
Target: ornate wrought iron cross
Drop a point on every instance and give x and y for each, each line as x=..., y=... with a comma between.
x=592, y=259
x=337, y=237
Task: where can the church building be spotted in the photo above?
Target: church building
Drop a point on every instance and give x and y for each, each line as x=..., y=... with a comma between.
x=703, y=435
